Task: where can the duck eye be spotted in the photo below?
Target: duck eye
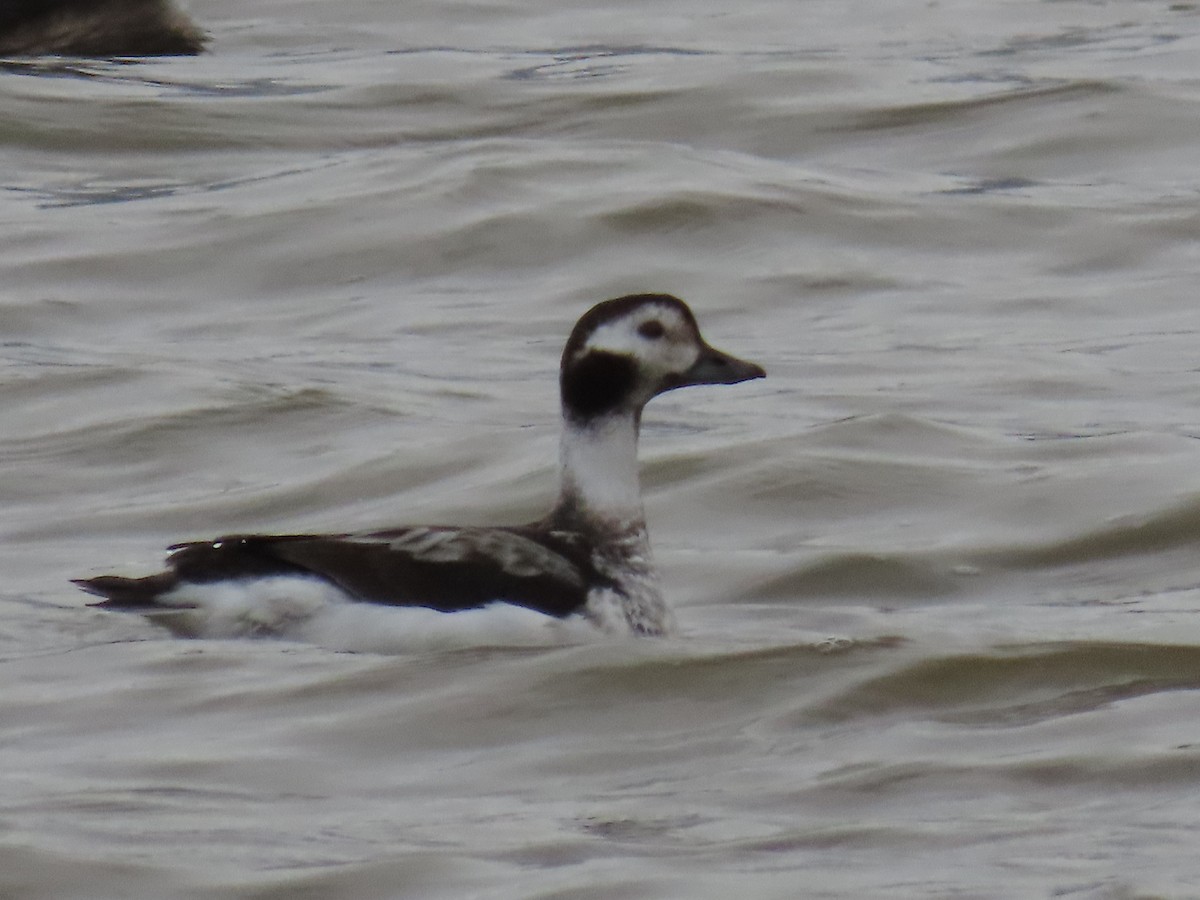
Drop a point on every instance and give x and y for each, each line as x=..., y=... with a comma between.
x=652, y=328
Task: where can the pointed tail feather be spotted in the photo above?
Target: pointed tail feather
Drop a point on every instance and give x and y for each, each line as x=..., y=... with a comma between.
x=128, y=593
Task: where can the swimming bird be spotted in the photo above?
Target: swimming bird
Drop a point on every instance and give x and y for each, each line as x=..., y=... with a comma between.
x=97, y=28
x=587, y=563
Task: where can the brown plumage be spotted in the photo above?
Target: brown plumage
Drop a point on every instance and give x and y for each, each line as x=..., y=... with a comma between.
x=97, y=28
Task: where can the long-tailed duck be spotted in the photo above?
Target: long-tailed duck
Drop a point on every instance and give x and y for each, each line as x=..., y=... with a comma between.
x=97, y=28
x=586, y=563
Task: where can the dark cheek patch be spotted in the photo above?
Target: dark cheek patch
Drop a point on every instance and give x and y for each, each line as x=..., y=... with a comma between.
x=597, y=383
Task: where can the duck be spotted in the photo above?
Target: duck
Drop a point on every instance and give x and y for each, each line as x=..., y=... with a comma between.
x=584, y=568
x=103, y=28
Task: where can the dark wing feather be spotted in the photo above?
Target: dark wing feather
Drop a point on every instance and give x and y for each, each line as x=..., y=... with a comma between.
x=435, y=567
x=448, y=568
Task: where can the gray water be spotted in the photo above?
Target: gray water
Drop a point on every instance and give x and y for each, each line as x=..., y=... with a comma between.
x=937, y=576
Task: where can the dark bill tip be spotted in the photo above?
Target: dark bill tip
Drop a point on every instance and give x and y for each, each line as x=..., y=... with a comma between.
x=715, y=367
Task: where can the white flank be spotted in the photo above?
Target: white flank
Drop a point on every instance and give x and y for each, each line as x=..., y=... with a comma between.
x=314, y=611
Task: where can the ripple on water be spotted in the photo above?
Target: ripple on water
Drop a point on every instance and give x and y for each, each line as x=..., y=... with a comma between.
x=1018, y=685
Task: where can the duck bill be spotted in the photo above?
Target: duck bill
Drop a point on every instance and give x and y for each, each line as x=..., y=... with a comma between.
x=715, y=367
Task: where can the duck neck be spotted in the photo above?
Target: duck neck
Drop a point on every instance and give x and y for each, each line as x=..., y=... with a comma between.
x=601, y=496
x=599, y=471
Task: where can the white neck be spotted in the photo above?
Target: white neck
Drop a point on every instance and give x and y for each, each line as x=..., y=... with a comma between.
x=599, y=468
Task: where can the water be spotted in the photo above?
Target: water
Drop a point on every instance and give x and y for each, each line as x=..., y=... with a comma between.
x=937, y=575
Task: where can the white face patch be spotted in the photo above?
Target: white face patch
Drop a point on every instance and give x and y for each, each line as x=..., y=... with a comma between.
x=670, y=353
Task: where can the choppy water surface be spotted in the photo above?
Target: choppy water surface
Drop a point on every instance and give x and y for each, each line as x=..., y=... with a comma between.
x=938, y=575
